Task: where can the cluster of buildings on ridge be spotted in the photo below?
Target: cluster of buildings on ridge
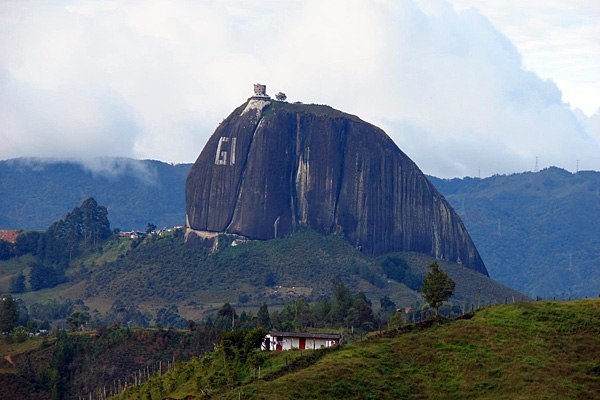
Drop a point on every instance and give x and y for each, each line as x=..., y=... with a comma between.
x=140, y=234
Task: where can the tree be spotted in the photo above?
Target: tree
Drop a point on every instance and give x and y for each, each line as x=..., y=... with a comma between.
x=264, y=321
x=281, y=96
x=340, y=303
x=360, y=314
x=42, y=276
x=78, y=320
x=127, y=314
x=6, y=250
x=397, y=320
x=170, y=318
x=84, y=228
x=64, y=351
x=94, y=223
x=226, y=317
x=150, y=228
x=8, y=314
x=27, y=243
x=191, y=325
x=437, y=287
x=17, y=283
x=387, y=309
x=240, y=343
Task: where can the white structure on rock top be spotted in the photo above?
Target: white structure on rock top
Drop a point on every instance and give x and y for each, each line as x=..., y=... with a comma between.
x=260, y=91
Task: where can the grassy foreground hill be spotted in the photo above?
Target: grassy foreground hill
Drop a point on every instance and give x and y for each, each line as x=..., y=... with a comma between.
x=537, y=350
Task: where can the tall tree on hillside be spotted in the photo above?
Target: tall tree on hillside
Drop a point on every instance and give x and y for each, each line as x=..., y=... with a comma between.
x=8, y=313
x=340, y=303
x=437, y=287
x=42, y=276
x=17, y=283
x=264, y=321
x=94, y=223
x=27, y=243
x=226, y=317
x=64, y=351
x=387, y=309
x=150, y=228
x=360, y=314
x=6, y=250
x=78, y=320
x=170, y=318
x=84, y=228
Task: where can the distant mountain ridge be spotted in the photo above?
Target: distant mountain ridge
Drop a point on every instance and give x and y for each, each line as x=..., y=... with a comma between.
x=538, y=233
x=35, y=192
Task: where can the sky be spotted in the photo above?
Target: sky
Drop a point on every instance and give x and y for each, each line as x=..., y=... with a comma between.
x=463, y=87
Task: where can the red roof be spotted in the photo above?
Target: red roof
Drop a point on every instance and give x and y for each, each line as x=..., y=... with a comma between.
x=306, y=335
x=9, y=236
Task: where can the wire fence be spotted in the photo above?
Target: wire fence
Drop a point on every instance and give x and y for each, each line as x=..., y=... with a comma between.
x=131, y=380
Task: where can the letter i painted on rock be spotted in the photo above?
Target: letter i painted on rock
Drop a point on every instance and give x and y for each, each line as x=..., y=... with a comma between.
x=225, y=151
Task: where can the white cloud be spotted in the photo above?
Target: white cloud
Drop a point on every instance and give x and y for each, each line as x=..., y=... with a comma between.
x=153, y=79
x=558, y=40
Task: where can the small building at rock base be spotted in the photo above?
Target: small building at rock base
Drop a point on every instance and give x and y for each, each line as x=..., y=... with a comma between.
x=279, y=341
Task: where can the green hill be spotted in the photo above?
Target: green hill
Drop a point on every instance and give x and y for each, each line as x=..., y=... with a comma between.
x=163, y=271
x=541, y=350
x=158, y=272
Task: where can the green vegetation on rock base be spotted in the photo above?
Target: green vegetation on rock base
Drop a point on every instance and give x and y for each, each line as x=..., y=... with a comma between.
x=274, y=271
x=143, y=276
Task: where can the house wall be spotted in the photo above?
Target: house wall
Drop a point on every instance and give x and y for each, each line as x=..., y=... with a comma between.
x=289, y=343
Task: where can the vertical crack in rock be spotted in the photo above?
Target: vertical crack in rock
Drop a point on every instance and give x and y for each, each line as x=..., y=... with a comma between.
x=296, y=145
x=338, y=190
x=259, y=106
x=302, y=174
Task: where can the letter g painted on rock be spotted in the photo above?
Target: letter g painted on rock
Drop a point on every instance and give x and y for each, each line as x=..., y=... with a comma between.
x=225, y=151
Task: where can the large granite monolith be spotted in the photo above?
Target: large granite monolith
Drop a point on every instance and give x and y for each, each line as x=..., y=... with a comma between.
x=272, y=167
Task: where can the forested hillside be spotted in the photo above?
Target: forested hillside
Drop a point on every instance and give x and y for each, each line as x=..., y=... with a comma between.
x=537, y=232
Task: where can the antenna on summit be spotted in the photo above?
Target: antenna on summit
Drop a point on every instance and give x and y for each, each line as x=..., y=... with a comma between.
x=536, y=169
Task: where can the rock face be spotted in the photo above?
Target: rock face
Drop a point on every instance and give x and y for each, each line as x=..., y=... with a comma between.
x=272, y=168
